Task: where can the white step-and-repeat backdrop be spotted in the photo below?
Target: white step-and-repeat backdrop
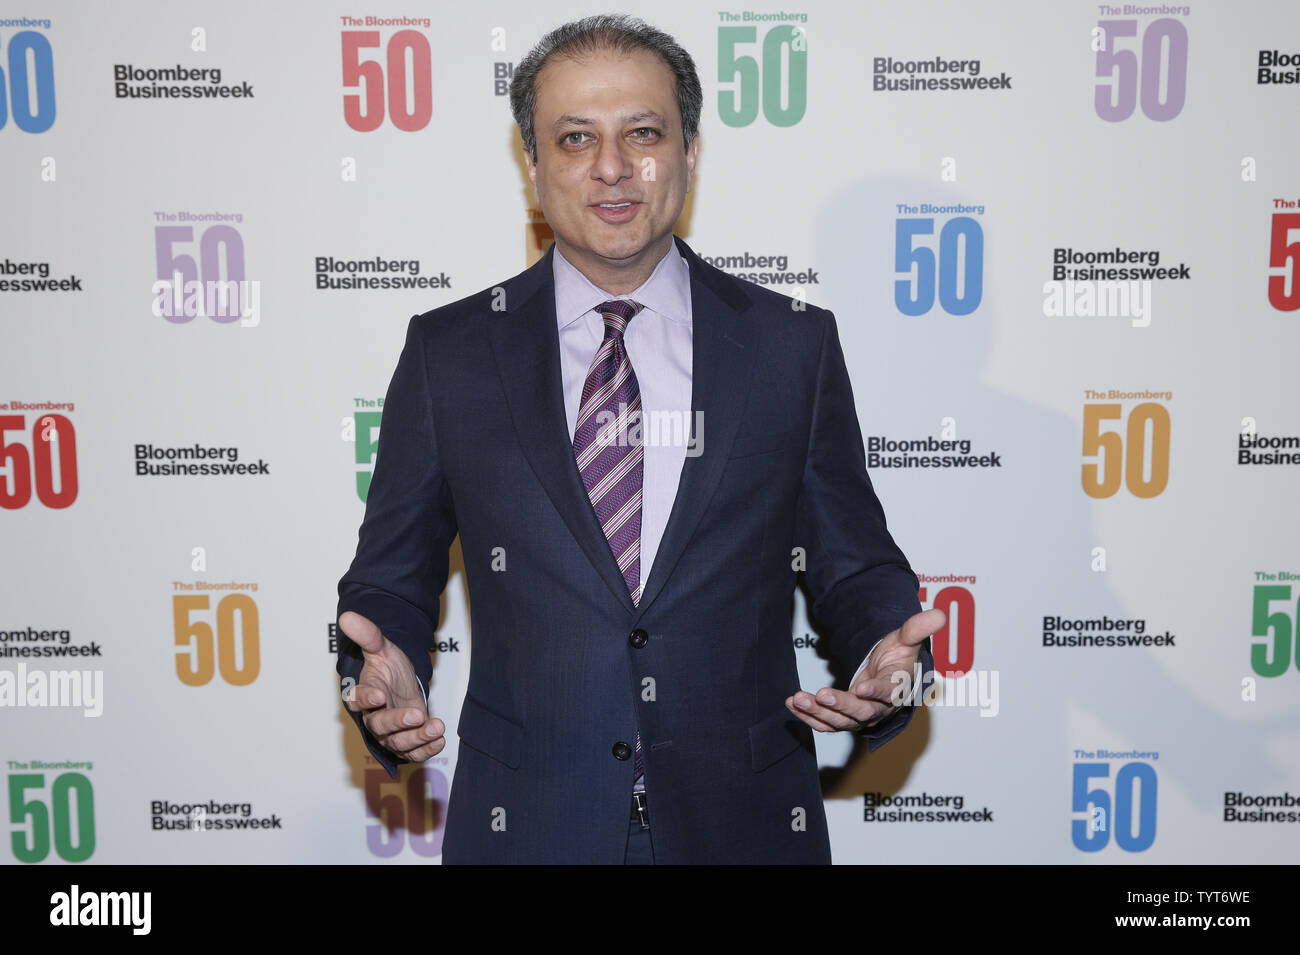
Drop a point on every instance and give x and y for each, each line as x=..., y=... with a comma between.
x=1062, y=242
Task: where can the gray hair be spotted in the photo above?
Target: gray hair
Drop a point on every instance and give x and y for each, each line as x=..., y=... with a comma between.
x=617, y=32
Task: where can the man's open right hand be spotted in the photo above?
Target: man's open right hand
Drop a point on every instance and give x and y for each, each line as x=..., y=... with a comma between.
x=388, y=693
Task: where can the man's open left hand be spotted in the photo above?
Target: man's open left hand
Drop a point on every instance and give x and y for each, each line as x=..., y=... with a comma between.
x=870, y=699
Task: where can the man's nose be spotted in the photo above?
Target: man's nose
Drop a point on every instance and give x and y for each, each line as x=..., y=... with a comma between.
x=612, y=163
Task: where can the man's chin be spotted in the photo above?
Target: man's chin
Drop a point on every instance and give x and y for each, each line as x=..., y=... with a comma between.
x=629, y=252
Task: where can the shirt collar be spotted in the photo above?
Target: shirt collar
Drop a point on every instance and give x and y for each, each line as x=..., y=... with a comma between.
x=666, y=292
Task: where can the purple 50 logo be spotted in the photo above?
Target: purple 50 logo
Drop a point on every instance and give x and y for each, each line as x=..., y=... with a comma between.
x=1132, y=79
x=186, y=288
x=414, y=814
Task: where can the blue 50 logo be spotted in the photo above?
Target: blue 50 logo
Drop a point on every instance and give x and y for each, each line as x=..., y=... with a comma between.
x=18, y=83
x=1134, y=797
x=957, y=272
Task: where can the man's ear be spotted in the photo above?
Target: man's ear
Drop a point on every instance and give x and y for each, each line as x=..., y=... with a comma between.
x=532, y=168
x=691, y=152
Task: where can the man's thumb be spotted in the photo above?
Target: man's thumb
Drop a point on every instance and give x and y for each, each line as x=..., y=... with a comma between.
x=361, y=631
x=919, y=626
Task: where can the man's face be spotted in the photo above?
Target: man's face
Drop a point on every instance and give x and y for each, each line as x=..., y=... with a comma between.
x=612, y=172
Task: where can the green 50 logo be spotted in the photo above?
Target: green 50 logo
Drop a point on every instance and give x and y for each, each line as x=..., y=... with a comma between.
x=68, y=814
x=763, y=84
x=366, y=433
x=1272, y=657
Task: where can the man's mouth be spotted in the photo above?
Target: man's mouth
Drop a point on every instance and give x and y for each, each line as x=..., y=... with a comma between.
x=619, y=211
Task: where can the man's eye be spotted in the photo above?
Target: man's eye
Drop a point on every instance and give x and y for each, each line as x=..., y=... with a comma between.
x=570, y=140
x=645, y=132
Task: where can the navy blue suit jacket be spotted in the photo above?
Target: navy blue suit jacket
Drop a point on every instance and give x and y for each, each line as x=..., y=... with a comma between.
x=474, y=441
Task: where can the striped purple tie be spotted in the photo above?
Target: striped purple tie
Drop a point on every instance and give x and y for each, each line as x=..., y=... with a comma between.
x=610, y=463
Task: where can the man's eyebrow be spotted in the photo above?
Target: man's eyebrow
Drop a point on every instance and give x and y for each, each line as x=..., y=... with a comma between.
x=569, y=119
x=572, y=119
x=644, y=115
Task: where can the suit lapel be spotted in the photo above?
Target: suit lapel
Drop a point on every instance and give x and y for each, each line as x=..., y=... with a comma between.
x=525, y=341
x=722, y=366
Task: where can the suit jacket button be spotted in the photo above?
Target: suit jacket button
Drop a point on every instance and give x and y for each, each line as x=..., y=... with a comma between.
x=622, y=751
x=638, y=638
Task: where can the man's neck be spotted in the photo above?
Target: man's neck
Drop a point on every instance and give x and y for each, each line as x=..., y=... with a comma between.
x=617, y=278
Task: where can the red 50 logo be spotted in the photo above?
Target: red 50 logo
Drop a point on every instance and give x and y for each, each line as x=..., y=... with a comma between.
x=53, y=455
x=1284, y=262
x=954, y=642
x=364, y=110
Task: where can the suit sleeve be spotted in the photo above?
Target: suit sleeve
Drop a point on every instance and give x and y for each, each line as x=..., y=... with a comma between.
x=401, y=563
x=861, y=584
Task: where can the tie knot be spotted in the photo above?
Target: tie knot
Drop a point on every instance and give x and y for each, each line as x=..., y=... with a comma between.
x=617, y=314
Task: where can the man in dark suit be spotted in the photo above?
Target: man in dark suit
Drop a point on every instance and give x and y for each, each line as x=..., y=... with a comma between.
x=633, y=692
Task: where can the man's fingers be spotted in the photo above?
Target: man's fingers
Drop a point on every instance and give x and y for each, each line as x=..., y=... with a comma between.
x=808, y=718
x=361, y=631
x=838, y=711
x=385, y=722
x=863, y=710
x=365, y=696
x=407, y=741
x=882, y=690
x=424, y=752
